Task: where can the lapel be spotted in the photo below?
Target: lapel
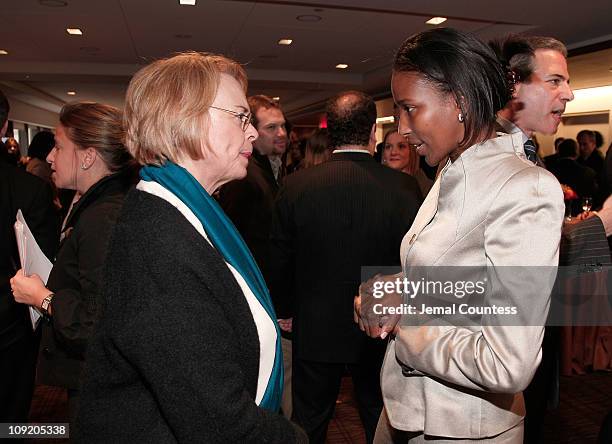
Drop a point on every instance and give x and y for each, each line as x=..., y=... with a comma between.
x=263, y=163
x=426, y=213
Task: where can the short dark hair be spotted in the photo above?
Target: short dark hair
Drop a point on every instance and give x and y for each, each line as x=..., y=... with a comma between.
x=459, y=64
x=599, y=141
x=4, y=109
x=516, y=53
x=350, y=116
x=41, y=145
x=261, y=101
x=568, y=148
x=587, y=133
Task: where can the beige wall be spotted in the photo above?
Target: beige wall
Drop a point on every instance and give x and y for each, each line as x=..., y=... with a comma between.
x=590, y=109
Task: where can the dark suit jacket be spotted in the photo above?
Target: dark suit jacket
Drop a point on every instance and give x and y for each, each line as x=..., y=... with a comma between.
x=597, y=163
x=21, y=190
x=249, y=203
x=594, y=161
x=582, y=179
x=330, y=221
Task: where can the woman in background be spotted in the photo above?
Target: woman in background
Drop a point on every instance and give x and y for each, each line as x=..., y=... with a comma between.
x=89, y=157
x=317, y=148
x=40, y=147
x=398, y=155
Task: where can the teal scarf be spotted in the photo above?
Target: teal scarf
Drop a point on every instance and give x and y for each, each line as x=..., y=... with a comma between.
x=230, y=244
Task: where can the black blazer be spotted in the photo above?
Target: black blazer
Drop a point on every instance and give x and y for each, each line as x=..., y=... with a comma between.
x=21, y=190
x=75, y=280
x=330, y=221
x=582, y=179
x=175, y=356
x=249, y=203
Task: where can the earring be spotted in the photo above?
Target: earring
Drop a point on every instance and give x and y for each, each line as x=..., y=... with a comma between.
x=460, y=117
x=83, y=166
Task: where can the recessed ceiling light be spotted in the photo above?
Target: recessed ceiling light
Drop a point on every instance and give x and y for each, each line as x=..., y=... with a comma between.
x=187, y=2
x=276, y=98
x=71, y=93
x=53, y=3
x=285, y=42
x=74, y=31
x=341, y=66
x=308, y=18
x=436, y=20
x=3, y=52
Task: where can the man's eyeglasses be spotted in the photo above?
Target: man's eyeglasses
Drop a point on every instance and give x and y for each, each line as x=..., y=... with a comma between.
x=245, y=119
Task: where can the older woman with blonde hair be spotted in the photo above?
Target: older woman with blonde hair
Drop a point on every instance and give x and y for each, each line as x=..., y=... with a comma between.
x=188, y=349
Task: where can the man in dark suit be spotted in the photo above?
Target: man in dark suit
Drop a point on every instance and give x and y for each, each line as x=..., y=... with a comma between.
x=568, y=171
x=589, y=154
x=591, y=157
x=537, y=66
x=249, y=202
x=330, y=221
x=18, y=343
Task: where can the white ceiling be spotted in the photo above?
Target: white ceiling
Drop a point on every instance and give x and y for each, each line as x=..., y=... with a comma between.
x=44, y=62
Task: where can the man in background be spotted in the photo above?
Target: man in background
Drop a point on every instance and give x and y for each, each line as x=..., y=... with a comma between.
x=329, y=222
x=18, y=343
x=538, y=68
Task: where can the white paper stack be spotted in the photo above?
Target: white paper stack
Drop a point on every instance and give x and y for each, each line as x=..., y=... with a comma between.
x=33, y=260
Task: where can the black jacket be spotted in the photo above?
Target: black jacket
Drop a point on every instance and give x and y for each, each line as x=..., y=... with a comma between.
x=21, y=190
x=175, y=356
x=582, y=179
x=75, y=280
x=249, y=203
x=330, y=221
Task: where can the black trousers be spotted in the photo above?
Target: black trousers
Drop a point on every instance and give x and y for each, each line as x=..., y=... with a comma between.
x=316, y=386
x=17, y=371
x=543, y=390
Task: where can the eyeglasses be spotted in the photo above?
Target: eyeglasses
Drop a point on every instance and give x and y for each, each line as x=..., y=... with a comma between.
x=245, y=119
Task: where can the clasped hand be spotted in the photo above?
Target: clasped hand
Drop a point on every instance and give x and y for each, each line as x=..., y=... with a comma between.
x=371, y=312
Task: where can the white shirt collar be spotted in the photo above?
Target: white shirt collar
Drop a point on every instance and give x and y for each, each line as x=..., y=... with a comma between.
x=351, y=150
x=511, y=128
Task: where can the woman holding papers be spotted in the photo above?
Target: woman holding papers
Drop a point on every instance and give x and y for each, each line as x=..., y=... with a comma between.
x=89, y=157
x=188, y=348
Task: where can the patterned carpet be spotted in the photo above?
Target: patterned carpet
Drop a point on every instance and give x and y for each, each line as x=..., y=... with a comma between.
x=585, y=400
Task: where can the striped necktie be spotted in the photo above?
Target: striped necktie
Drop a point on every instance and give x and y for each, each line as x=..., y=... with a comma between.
x=530, y=150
